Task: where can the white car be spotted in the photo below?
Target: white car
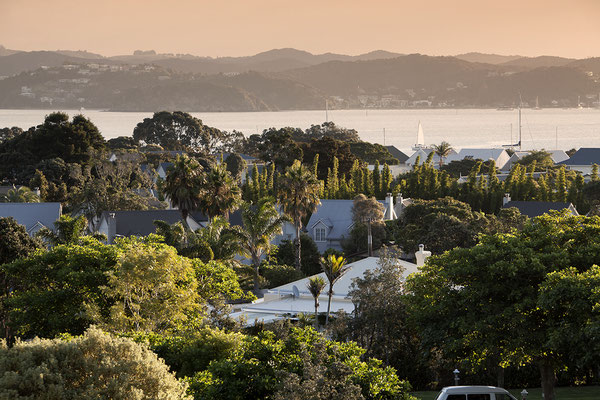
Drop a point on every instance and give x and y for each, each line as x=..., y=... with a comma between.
x=474, y=393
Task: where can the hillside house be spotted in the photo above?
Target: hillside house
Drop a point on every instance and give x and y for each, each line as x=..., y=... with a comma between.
x=293, y=298
x=583, y=160
x=500, y=156
x=34, y=216
x=534, y=209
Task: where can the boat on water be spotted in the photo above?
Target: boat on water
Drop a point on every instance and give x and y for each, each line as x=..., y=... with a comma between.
x=505, y=108
x=420, y=144
x=537, y=103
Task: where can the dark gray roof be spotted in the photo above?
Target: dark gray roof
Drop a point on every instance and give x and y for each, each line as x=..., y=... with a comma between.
x=141, y=223
x=584, y=156
x=166, y=165
x=536, y=208
x=32, y=215
x=396, y=153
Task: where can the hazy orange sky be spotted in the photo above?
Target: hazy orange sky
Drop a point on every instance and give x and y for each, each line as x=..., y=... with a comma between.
x=568, y=28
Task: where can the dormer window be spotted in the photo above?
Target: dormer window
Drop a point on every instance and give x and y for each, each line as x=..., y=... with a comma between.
x=320, y=234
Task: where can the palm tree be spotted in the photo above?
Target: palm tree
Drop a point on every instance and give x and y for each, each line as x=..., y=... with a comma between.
x=220, y=237
x=443, y=150
x=315, y=286
x=334, y=269
x=20, y=195
x=174, y=235
x=221, y=194
x=183, y=185
x=299, y=195
x=261, y=222
x=67, y=230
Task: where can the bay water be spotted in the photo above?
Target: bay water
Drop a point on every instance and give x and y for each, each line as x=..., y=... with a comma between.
x=541, y=129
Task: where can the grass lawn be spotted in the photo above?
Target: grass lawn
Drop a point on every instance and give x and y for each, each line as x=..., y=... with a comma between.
x=562, y=393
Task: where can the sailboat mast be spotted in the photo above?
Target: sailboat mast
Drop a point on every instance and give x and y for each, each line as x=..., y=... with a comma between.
x=326, y=110
x=519, y=126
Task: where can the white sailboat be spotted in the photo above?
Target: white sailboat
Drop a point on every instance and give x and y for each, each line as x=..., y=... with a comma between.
x=537, y=103
x=420, y=144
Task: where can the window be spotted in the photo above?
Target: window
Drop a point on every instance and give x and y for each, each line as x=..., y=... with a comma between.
x=479, y=397
x=320, y=235
x=456, y=397
x=501, y=396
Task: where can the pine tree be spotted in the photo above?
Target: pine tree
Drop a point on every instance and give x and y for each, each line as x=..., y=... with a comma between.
x=335, y=186
x=594, y=175
x=560, y=190
x=376, y=180
x=543, y=190
x=255, y=183
x=386, y=180
x=343, y=190
x=315, y=165
x=271, y=180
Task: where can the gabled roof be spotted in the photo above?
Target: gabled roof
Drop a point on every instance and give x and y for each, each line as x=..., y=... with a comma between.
x=32, y=214
x=165, y=165
x=337, y=213
x=584, y=156
x=558, y=155
x=478, y=154
x=536, y=208
x=141, y=223
x=397, y=154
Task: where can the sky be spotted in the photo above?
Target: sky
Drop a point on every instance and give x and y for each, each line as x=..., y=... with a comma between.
x=216, y=28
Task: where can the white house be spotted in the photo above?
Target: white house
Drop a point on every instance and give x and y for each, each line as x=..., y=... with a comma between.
x=556, y=155
x=294, y=298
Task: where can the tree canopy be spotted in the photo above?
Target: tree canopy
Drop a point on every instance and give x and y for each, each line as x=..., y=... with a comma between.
x=498, y=301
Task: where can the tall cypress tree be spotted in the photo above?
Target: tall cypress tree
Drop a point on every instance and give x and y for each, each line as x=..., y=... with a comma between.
x=377, y=180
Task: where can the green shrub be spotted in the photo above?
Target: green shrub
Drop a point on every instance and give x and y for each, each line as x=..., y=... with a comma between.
x=277, y=275
x=93, y=366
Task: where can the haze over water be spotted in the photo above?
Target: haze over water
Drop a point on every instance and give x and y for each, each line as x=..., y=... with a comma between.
x=462, y=127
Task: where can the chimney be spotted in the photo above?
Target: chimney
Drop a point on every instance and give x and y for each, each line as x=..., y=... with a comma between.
x=506, y=199
x=390, y=213
x=421, y=255
x=111, y=233
x=399, y=207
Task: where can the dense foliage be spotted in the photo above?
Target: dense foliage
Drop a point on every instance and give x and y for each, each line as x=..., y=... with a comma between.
x=95, y=365
x=516, y=299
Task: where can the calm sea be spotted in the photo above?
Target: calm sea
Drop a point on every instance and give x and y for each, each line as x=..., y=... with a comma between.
x=546, y=128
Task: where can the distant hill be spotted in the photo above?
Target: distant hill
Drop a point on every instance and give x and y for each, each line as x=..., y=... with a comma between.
x=16, y=63
x=289, y=79
x=6, y=52
x=151, y=88
x=275, y=60
x=80, y=54
x=486, y=58
x=537, y=62
x=587, y=64
x=391, y=76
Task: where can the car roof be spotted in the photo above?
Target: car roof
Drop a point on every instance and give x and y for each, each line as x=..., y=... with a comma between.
x=473, y=389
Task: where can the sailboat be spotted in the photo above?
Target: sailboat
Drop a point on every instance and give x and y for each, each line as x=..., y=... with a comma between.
x=537, y=103
x=579, y=106
x=518, y=144
x=420, y=139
